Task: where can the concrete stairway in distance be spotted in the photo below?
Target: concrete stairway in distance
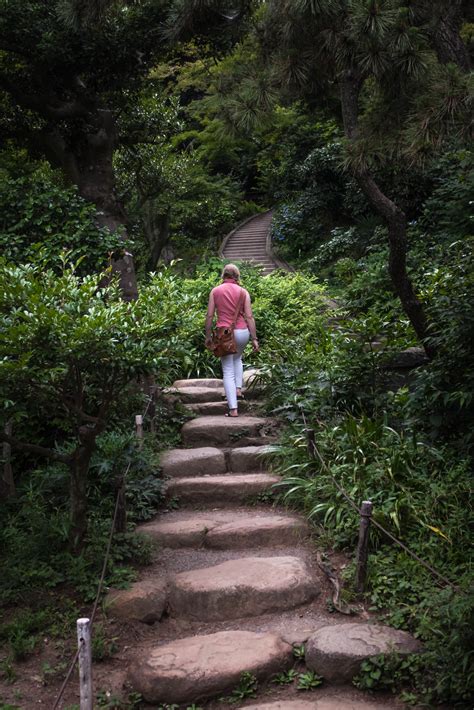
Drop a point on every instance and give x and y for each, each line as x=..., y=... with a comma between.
x=249, y=243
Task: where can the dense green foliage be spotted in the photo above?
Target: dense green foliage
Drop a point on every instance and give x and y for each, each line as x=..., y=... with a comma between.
x=174, y=121
x=45, y=223
x=375, y=440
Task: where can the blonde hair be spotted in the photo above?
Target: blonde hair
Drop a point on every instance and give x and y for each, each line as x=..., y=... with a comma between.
x=231, y=271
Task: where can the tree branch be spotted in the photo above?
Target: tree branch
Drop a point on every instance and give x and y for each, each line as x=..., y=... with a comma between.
x=43, y=104
x=35, y=449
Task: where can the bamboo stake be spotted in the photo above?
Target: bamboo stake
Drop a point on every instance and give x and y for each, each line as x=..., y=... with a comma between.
x=363, y=545
x=121, y=516
x=139, y=428
x=85, y=663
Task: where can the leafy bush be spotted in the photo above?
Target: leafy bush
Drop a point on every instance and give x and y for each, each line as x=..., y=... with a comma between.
x=40, y=221
x=376, y=440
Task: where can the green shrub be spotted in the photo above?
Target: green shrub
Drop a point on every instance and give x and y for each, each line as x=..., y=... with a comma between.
x=42, y=222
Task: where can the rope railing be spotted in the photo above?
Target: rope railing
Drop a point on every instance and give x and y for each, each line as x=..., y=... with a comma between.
x=317, y=454
x=103, y=572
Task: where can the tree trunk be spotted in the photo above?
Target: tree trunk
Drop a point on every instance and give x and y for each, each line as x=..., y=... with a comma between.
x=393, y=216
x=443, y=22
x=157, y=230
x=395, y=220
x=79, y=468
x=87, y=161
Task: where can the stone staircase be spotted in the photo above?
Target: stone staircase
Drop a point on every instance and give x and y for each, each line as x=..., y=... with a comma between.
x=234, y=583
x=249, y=242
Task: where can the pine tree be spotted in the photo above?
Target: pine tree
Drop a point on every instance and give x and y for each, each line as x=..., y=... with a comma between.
x=400, y=72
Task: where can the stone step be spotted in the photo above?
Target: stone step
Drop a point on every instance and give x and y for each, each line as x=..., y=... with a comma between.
x=261, y=227
x=249, y=249
x=211, y=382
x=197, y=394
x=261, y=260
x=260, y=263
x=334, y=702
x=201, y=667
x=226, y=530
x=254, y=238
x=256, y=244
x=214, y=408
x=228, y=431
x=256, y=259
x=228, y=489
x=249, y=586
x=210, y=461
x=247, y=458
x=247, y=252
x=203, y=461
x=244, y=255
x=336, y=652
x=250, y=238
x=145, y=601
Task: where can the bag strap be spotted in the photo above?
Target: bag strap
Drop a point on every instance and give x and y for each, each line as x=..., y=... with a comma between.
x=238, y=308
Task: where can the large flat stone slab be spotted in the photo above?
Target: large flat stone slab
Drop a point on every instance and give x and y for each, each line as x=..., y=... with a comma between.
x=247, y=458
x=203, y=461
x=230, y=530
x=336, y=652
x=332, y=703
x=228, y=431
x=214, y=408
x=183, y=533
x=209, y=382
x=257, y=531
x=199, y=667
x=145, y=601
x=196, y=394
x=230, y=488
x=244, y=587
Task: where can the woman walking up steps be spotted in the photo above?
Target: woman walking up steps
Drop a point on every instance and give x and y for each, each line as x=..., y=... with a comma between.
x=224, y=300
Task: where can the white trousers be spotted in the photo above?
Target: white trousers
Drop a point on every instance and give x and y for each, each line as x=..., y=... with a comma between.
x=233, y=369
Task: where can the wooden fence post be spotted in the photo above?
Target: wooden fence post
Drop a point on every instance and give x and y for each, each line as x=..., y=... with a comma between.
x=139, y=428
x=363, y=545
x=85, y=663
x=311, y=441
